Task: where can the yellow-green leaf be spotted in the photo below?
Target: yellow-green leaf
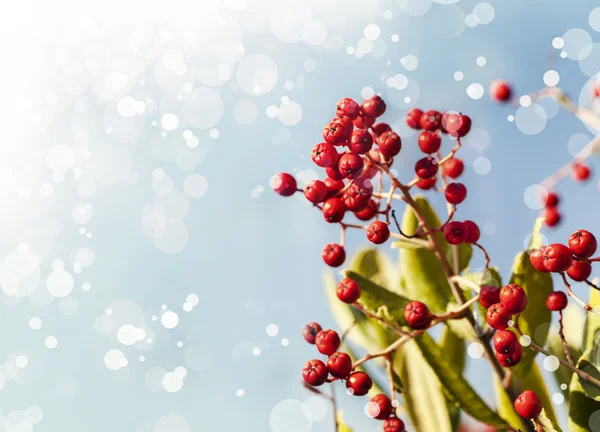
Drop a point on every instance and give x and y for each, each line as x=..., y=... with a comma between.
x=592, y=323
x=455, y=349
x=372, y=264
x=583, y=411
x=548, y=425
x=341, y=425
x=591, y=390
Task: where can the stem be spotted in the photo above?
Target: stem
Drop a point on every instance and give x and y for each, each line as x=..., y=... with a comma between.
x=562, y=338
x=583, y=304
x=485, y=254
x=390, y=375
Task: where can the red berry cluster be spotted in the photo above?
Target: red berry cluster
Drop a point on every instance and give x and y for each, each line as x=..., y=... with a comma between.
x=580, y=172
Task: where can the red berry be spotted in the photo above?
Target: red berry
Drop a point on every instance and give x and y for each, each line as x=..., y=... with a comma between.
x=472, y=231
x=315, y=191
x=497, y=316
x=351, y=165
x=557, y=301
x=324, y=155
x=429, y=141
x=489, y=295
x=314, y=372
x=456, y=124
x=417, y=315
x=327, y=341
x=333, y=186
x=360, y=383
x=426, y=168
x=583, y=244
x=580, y=270
x=393, y=424
x=580, y=172
x=378, y=232
x=455, y=232
x=413, y=118
x=347, y=107
x=345, y=122
x=380, y=129
x=339, y=365
x=380, y=407
x=537, y=258
x=528, y=404
x=348, y=290
x=552, y=199
x=505, y=342
x=334, y=210
x=426, y=184
x=334, y=133
x=360, y=141
x=370, y=170
x=356, y=197
x=333, y=172
x=455, y=193
x=309, y=332
x=363, y=121
x=552, y=216
x=334, y=255
x=373, y=106
x=557, y=258
x=368, y=212
x=512, y=359
x=284, y=184
x=431, y=120
x=500, y=91
x=513, y=298
x=453, y=168
x=389, y=144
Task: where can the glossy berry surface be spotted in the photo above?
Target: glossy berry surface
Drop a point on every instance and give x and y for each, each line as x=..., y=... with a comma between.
x=359, y=383
x=455, y=193
x=373, y=106
x=489, y=295
x=580, y=172
x=431, y=120
x=497, y=316
x=356, y=197
x=368, y=212
x=389, y=144
x=557, y=258
x=334, y=255
x=513, y=298
x=413, y=118
x=333, y=186
x=360, y=141
x=426, y=184
x=348, y=290
x=315, y=191
x=393, y=425
x=334, y=210
x=473, y=232
x=500, y=91
x=362, y=120
x=417, y=315
x=453, y=168
x=380, y=128
x=309, y=332
x=583, y=244
x=579, y=271
x=351, y=165
x=457, y=125
x=327, y=341
x=537, y=258
x=314, y=372
x=347, y=107
x=426, y=168
x=557, y=301
x=334, y=133
x=505, y=342
x=339, y=365
x=512, y=359
x=324, y=154
x=380, y=407
x=429, y=141
x=284, y=184
x=455, y=232
x=528, y=404
x=378, y=232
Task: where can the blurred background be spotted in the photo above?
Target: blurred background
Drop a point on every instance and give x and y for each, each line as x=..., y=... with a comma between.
x=151, y=279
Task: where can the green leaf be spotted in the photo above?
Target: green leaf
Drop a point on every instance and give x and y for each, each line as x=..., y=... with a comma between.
x=591, y=332
x=562, y=375
x=341, y=426
x=372, y=264
x=591, y=390
x=407, y=243
x=583, y=411
x=464, y=252
x=455, y=349
x=455, y=383
x=547, y=423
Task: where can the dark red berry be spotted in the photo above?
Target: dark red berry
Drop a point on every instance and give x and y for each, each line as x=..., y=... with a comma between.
x=335, y=133
x=380, y=407
x=453, y=168
x=284, y=184
x=333, y=172
x=426, y=168
x=345, y=122
x=393, y=424
x=456, y=124
x=339, y=365
x=528, y=404
x=379, y=129
x=360, y=141
x=309, y=332
x=583, y=244
x=473, y=232
x=500, y=91
x=552, y=216
x=413, y=118
x=389, y=144
x=489, y=295
x=348, y=290
x=580, y=270
x=378, y=232
x=368, y=212
x=334, y=255
x=552, y=199
x=429, y=141
x=334, y=210
x=314, y=372
x=373, y=106
x=537, y=258
x=356, y=197
x=324, y=155
x=497, y=316
x=513, y=298
x=580, y=172
x=557, y=301
x=363, y=121
x=333, y=186
x=431, y=120
x=359, y=383
x=455, y=232
x=426, y=184
x=327, y=341
x=315, y=191
x=455, y=193
x=512, y=359
x=347, y=107
x=505, y=342
x=351, y=165
x=557, y=258
x=417, y=315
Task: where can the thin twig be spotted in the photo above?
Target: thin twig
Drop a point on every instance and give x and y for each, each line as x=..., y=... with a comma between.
x=562, y=338
x=485, y=255
x=583, y=304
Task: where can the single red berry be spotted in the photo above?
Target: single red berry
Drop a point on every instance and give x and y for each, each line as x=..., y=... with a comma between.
x=314, y=372
x=351, y=165
x=426, y=184
x=557, y=301
x=580, y=270
x=348, y=290
x=284, y=184
x=379, y=129
x=512, y=359
x=552, y=216
x=429, y=141
x=417, y=315
x=557, y=258
x=334, y=133
x=505, y=342
x=360, y=141
x=378, y=232
x=528, y=404
x=426, y=168
x=339, y=365
x=431, y=120
x=333, y=172
x=359, y=383
x=537, y=258
x=327, y=341
x=580, y=172
x=552, y=199
x=455, y=232
x=453, y=168
x=363, y=121
x=333, y=186
x=500, y=91
x=345, y=122
x=583, y=244
x=513, y=298
x=473, y=232
x=347, y=107
x=489, y=295
x=309, y=332
x=315, y=191
x=380, y=407
x=455, y=193
x=356, y=197
x=373, y=106
x=497, y=316
x=334, y=255
x=456, y=124
x=368, y=212
x=393, y=424
x=389, y=144
x=334, y=210
x=324, y=155
x=413, y=118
